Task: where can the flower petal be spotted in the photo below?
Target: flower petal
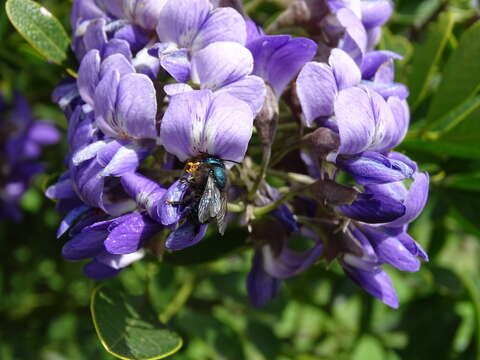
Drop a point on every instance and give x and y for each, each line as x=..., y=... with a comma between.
x=137, y=106
x=177, y=64
x=279, y=58
x=88, y=76
x=221, y=63
x=170, y=214
x=128, y=233
x=119, y=262
x=316, y=89
x=84, y=245
x=223, y=24
x=188, y=234
x=99, y=271
x=261, y=286
x=250, y=89
x=180, y=20
x=346, y=72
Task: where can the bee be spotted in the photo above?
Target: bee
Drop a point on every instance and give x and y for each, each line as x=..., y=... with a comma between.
x=208, y=181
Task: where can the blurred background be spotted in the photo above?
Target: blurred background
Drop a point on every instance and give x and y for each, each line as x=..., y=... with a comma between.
x=321, y=314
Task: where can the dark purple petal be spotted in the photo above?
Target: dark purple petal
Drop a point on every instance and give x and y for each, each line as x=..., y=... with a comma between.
x=134, y=36
x=188, y=234
x=415, y=200
x=390, y=249
x=377, y=283
x=84, y=245
x=316, y=89
x=128, y=233
x=279, y=58
x=261, y=287
x=374, y=59
x=99, y=271
x=171, y=214
x=70, y=218
x=373, y=208
x=375, y=168
x=412, y=246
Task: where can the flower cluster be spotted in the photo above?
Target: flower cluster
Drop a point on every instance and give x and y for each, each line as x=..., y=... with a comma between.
x=21, y=141
x=161, y=115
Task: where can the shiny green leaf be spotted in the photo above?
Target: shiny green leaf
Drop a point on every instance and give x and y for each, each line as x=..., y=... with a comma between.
x=40, y=28
x=128, y=328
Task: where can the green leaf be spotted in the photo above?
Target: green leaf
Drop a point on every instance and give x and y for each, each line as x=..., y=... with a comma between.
x=461, y=78
x=454, y=147
x=368, y=348
x=465, y=210
x=456, y=115
x=470, y=181
x=426, y=56
x=128, y=328
x=40, y=28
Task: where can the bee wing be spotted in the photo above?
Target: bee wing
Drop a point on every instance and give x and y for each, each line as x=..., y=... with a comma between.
x=221, y=223
x=207, y=201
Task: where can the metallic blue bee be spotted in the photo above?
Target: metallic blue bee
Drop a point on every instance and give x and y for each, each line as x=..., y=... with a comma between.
x=208, y=184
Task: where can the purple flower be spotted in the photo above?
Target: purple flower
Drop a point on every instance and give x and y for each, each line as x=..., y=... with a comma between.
x=362, y=117
x=113, y=244
x=185, y=27
x=21, y=141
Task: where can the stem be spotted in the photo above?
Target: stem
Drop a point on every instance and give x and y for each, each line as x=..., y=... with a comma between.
x=291, y=176
x=179, y=300
x=236, y=208
x=263, y=210
x=266, y=156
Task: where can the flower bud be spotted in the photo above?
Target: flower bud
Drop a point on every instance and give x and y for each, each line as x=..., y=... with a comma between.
x=267, y=119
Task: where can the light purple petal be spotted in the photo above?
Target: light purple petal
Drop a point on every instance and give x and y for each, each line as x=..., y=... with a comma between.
x=355, y=38
x=174, y=89
x=88, y=76
x=127, y=159
x=44, y=133
x=137, y=106
x=412, y=246
x=180, y=20
x=118, y=63
x=185, y=115
x=177, y=64
x=117, y=46
x=346, y=72
x=223, y=24
x=228, y=129
x=134, y=36
x=316, y=89
x=146, y=192
x=355, y=119
x=221, y=63
x=401, y=115
x=250, y=89
x=375, y=13
x=105, y=102
x=279, y=58
x=88, y=152
x=70, y=218
x=95, y=36
x=375, y=168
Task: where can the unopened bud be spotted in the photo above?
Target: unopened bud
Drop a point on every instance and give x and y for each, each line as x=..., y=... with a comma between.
x=267, y=119
x=333, y=193
x=321, y=141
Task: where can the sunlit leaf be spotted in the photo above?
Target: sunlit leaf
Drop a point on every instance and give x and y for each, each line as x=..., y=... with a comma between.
x=128, y=328
x=426, y=56
x=40, y=28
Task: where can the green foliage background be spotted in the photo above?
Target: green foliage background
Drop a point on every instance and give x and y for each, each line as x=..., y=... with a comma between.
x=44, y=301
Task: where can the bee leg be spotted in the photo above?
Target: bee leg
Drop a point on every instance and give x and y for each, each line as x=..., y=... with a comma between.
x=175, y=203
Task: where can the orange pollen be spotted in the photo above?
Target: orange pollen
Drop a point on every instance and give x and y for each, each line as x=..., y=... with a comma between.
x=192, y=167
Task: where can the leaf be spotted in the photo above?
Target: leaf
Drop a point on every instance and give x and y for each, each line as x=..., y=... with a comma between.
x=456, y=115
x=466, y=211
x=368, y=348
x=470, y=181
x=426, y=56
x=40, y=28
x=461, y=78
x=462, y=147
x=128, y=328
